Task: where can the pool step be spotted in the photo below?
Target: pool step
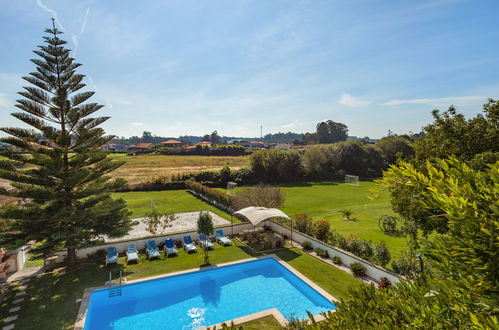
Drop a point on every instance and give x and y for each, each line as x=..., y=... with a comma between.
x=116, y=291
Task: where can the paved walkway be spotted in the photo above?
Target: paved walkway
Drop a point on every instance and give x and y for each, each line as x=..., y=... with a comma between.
x=17, y=303
x=183, y=222
x=25, y=273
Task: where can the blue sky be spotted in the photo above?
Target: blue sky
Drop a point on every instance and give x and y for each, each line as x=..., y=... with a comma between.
x=191, y=67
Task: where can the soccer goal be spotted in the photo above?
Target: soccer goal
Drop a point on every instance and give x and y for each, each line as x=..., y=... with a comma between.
x=231, y=186
x=352, y=179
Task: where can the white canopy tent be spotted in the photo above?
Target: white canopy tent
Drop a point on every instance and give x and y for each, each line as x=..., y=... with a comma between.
x=257, y=214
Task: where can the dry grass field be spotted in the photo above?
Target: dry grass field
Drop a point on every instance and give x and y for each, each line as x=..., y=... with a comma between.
x=142, y=168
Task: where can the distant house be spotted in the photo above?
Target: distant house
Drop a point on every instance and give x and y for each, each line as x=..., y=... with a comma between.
x=114, y=147
x=172, y=144
x=204, y=143
x=144, y=146
x=283, y=146
x=110, y=146
x=38, y=145
x=257, y=144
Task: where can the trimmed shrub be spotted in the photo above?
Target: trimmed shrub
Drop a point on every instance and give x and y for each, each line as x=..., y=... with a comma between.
x=321, y=230
x=307, y=245
x=382, y=254
x=366, y=249
x=321, y=253
x=357, y=269
x=304, y=223
x=336, y=260
x=212, y=194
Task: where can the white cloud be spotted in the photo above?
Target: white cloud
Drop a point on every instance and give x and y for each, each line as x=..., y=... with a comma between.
x=51, y=12
x=352, y=102
x=215, y=123
x=439, y=101
x=84, y=24
x=4, y=101
x=137, y=123
x=292, y=124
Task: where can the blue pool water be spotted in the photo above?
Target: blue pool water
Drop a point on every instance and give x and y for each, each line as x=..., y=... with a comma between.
x=203, y=298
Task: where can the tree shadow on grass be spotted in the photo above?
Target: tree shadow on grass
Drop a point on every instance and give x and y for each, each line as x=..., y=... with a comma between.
x=287, y=254
x=50, y=301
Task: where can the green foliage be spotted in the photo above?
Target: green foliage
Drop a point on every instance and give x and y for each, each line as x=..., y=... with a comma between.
x=219, y=197
x=321, y=252
x=336, y=260
x=320, y=162
x=462, y=290
x=330, y=132
x=205, y=226
x=474, y=141
x=362, y=248
x=346, y=213
x=406, y=264
x=303, y=223
x=273, y=166
x=306, y=245
x=218, y=150
x=260, y=195
x=335, y=160
x=157, y=222
x=225, y=175
x=357, y=269
x=393, y=148
x=66, y=186
x=452, y=134
x=321, y=230
x=382, y=255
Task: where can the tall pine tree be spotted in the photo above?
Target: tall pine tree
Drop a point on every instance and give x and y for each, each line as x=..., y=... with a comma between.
x=61, y=173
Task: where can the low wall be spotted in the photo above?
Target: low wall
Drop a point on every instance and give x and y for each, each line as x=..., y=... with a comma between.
x=372, y=270
x=141, y=243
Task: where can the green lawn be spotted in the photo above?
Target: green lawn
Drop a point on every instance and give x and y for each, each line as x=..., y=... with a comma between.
x=176, y=201
x=325, y=200
x=266, y=322
x=51, y=300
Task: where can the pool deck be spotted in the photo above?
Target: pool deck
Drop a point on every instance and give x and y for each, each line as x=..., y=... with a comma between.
x=82, y=312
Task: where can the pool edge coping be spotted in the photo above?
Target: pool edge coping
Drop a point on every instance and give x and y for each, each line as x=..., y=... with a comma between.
x=85, y=300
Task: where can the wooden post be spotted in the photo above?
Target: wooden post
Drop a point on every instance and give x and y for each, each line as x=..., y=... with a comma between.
x=232, y=226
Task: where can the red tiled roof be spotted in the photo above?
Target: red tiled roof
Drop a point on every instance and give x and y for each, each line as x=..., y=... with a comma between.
x=171, y=142
x=143, y=145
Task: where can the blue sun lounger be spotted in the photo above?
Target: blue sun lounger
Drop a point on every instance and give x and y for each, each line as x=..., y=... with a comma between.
x=205, y=242
x=152, y=250
x=221, y=238
x=111, y=256
x=188, y=245
x=132, y=253
x=170, y=247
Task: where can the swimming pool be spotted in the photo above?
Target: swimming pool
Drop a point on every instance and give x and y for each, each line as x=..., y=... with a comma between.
x=204, y=298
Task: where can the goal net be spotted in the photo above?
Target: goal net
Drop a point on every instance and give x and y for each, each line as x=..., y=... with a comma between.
x=352, y=180
x=231, y=186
